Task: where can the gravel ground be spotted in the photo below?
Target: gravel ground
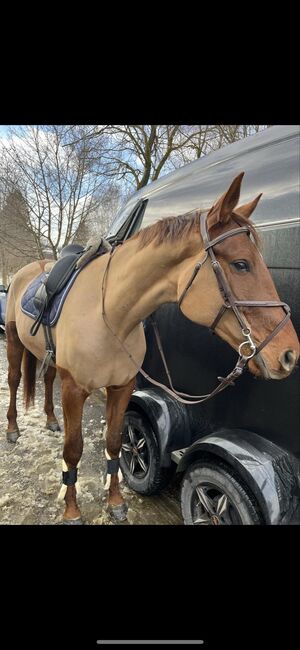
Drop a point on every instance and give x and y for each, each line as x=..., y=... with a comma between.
x=30, y=470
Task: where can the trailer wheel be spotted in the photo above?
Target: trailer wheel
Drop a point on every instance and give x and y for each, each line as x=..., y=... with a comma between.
x=140, y=457
x=211, y=494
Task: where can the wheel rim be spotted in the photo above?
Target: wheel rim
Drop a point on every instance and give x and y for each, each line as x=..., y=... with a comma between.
x=135, y=451
x=211, y=506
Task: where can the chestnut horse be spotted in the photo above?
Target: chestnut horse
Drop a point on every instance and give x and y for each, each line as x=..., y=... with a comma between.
x=153, y=267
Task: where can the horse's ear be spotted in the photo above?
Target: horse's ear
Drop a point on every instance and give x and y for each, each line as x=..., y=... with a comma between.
x=222, y=210
x=247, y=209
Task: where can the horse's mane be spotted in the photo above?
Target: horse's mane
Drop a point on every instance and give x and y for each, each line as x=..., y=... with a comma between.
x=171, y=229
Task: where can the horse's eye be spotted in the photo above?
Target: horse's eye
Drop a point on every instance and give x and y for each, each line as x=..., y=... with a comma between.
x=241, y=265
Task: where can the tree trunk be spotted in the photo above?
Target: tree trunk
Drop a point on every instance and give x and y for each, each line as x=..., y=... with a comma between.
x=4, y=268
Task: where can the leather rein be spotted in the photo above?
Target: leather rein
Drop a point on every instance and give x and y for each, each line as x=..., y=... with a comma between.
x=247, y=349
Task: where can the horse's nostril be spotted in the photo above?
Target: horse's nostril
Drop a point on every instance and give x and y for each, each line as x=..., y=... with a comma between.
x=288, y=359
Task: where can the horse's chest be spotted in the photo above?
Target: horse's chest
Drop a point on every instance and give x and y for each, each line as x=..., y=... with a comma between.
x=97, y=358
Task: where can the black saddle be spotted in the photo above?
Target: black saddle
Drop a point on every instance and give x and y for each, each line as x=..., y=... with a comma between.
x=57, y=279
x=71, y=249
x=63, y=269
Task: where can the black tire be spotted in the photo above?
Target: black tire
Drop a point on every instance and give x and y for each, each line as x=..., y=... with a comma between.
x=144, y=474
x=212, y=494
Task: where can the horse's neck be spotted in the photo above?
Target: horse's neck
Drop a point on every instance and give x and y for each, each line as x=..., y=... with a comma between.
x=140, y=280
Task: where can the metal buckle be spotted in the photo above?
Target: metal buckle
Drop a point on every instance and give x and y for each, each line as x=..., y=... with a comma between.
x=247, y=333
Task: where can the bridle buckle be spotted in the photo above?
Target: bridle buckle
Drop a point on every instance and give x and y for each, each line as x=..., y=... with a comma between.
x=249, y=342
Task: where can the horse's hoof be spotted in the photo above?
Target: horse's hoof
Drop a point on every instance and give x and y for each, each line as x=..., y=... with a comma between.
x=118, y=513
x=53, y=426
x=12, y=436
x=72, y=522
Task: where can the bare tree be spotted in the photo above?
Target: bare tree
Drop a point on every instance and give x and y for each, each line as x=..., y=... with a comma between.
x=73, y=179
x=229, y=133
x=60, y=184
x=17, y=245
x=99, y=220
x=136, y=155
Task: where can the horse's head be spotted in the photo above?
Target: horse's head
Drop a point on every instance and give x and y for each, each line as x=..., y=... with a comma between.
x=246, y=278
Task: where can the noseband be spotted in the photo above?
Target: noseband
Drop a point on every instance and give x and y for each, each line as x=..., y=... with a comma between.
x=229, y=300
x=247, y=348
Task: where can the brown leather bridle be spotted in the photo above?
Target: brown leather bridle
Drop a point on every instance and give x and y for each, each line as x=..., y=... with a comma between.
x=230, y=302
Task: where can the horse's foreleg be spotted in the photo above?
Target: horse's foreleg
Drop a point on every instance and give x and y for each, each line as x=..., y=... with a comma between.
x=117, y=401
x=49, y=377
x=15, y=351
x=73, y=399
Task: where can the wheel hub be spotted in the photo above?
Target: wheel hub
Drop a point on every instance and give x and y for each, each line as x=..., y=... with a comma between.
x=212, y=506
x=134, y=451
x=215, y=520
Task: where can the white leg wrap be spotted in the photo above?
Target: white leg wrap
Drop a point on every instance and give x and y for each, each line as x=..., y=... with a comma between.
x=65, y=466
x=107, y=476
x=62, y=493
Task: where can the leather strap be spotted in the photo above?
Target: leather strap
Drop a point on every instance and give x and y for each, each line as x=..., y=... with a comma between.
x=230, y=233
x=275, y=331
x=190, y=282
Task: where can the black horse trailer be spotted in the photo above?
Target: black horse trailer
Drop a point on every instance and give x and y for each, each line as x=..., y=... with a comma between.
x=239, y=453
